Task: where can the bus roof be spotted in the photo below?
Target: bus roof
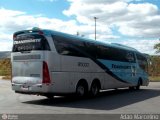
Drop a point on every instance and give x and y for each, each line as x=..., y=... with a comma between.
x=48, y=32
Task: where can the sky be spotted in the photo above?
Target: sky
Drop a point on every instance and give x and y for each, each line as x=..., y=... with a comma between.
x=135, y=23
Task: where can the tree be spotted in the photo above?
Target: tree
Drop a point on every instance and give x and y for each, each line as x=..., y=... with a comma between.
x=157, y=47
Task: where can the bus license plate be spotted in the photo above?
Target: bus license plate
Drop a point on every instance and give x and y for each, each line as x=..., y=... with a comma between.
x=25, y=88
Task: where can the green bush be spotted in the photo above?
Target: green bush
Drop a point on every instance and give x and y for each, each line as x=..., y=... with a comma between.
x=5, y=67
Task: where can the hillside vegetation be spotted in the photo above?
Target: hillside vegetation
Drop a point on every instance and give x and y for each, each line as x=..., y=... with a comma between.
x=154, y=69
x=5, y=67
x=5, y=54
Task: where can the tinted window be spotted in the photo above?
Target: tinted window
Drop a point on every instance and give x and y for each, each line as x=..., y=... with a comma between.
x=66, y=46
x=30, y=42
x=91, y=49
x=142, y=61
x=69, y=46
x=115, y=54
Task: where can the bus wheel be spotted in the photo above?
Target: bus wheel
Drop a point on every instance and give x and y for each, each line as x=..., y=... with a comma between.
x=94, y=89
x=138, y=85
x=81, y=90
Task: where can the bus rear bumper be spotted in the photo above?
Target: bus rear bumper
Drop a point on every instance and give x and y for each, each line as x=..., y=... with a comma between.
x=31, y=89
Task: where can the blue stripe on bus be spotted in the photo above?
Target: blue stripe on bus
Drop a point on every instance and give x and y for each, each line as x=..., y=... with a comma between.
x=99, y=63
x=107, y=70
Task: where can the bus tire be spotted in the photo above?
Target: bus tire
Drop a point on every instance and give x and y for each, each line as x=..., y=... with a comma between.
x=81, y=89
x=138, y=84
x=95, y=88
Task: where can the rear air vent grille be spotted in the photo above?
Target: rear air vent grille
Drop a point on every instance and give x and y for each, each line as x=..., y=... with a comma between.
x=26, y=57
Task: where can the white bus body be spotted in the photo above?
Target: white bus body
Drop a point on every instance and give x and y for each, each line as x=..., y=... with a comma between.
x=51, y=63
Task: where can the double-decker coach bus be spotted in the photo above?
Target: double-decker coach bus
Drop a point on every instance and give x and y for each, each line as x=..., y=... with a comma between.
x=49, y=63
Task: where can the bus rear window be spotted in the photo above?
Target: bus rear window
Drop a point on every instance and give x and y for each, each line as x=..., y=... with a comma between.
x=29, y=42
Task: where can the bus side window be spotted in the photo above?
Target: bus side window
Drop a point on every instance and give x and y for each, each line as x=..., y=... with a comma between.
x=130, y=57
x=142, y=61
x=91, y=49
x=115, y=54
x=64, y=46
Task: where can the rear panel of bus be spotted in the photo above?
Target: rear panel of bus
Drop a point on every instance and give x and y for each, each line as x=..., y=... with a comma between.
x=30, y=70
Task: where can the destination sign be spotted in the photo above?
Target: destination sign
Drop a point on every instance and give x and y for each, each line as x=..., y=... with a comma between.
x=27, y=41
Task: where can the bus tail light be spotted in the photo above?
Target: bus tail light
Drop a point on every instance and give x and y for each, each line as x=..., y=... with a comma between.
x=46, y=76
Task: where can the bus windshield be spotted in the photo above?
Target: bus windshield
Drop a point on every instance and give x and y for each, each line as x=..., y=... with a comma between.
x=29, y=42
